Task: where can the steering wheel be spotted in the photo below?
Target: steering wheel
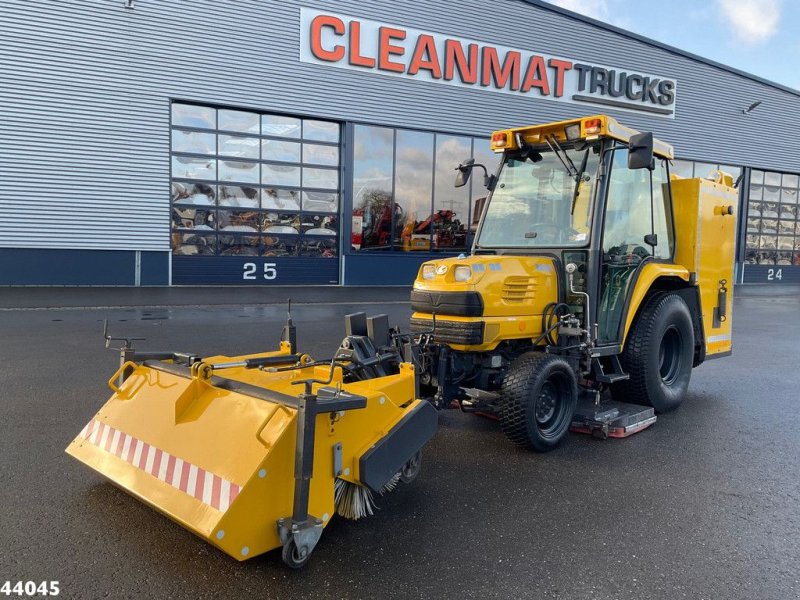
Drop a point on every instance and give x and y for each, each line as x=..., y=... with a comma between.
x=557, y=229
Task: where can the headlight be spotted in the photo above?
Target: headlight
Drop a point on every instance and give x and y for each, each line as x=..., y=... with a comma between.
x=462, y=273
x=428, y=271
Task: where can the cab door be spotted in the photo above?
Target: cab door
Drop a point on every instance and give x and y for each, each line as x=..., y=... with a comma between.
x=636, y=228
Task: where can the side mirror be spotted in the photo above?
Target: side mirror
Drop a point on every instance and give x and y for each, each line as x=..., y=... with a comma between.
x=464, y=171
x=640, y=151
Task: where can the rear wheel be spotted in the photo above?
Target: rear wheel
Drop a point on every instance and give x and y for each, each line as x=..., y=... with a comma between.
x=539, y=395
x=658, y=354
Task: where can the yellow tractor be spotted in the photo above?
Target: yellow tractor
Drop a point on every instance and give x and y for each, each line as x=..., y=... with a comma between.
x=593, y=268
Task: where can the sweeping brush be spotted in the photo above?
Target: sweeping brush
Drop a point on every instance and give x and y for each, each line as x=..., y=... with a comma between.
x=354, y=501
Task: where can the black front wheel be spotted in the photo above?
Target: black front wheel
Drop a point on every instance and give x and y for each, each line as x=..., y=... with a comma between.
x=539, y=395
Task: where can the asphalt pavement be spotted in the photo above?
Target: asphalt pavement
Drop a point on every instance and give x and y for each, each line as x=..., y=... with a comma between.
x=704, y=504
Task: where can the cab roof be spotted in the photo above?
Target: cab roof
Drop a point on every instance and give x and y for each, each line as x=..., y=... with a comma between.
x=587, y=128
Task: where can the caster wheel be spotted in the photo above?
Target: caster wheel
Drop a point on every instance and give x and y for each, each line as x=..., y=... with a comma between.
x=411, y=469
x=294, y=557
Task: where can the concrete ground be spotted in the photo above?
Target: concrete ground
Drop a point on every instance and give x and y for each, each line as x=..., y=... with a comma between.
x=705, y=504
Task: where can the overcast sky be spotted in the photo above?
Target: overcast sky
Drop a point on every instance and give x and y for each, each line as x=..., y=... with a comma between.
x=761, y=37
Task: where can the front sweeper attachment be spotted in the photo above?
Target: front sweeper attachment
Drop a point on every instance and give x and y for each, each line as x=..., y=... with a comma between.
x=257, y=452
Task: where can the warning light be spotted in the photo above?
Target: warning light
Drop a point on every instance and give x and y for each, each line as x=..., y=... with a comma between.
x=499, y=140
x=592, y=126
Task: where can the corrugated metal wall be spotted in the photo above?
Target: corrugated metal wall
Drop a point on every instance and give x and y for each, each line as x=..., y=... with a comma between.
x=85, y=88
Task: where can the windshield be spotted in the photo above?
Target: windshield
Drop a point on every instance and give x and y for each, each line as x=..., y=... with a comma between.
x=541, y=204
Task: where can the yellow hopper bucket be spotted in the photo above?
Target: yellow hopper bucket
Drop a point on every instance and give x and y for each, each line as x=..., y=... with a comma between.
x=249, y=461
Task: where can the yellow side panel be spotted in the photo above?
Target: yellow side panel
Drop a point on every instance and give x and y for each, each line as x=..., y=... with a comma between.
x=705, y=223
x=648, y=275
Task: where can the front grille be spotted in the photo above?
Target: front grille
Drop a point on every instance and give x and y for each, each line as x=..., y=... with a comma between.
x=451, y=332
x=519, y=289
x=459, y=304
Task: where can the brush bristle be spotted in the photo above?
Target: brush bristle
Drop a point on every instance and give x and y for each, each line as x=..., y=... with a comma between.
x=355, y=501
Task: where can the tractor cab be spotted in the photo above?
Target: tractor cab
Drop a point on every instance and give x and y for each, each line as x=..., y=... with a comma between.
x=588, y=192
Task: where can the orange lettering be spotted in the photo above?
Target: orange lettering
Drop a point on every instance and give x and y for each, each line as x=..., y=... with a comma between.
x=321, y=53
x=355, y=47
x=501, y=75
x=425, y=47
x=536, y=76
x=386, y=49
x=454, y=57
x=560, y=66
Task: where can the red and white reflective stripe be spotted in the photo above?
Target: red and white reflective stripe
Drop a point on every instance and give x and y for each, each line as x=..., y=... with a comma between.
x=207, y=487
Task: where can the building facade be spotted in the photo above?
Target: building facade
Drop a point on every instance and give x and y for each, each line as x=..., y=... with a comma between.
x=158, y=142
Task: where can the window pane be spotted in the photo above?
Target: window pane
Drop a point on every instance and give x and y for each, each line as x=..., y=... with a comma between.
x=189, y=244
x=753, y=225
x=772, y=194
x=754, y=209
x=788, y=211
x=769, y=210
x=682, y=168
x=662, y=221
x=756, y=192
x=193, y=193
x=413, y=189
x=238, y=196
x=320, y=202
x=450, y=204
x=280, y=199
x=280, y=175
x=239, y=245
x=732, y=171
x=279, y=245
x=320, y=131
x=788, y=196
x=237, y=120
x=280, y=150
x=484, y=156
x=194, y=168
x=318, y=154
x=280, y=126
x=234, y=170
x=196, y=142
x=323, y=247
x=372, y=186
x=275, y=223
x=186, y=115
x=319, y=225
x=772, y=178
x=321, y=178
x=789, y=181
x=193, y=218
x=757, y=177
x=238, y=145
x=704, y=170
x=244, y=221
x=785, y=242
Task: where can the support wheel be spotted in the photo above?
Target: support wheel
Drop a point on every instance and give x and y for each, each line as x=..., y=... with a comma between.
x=539, y=394
x=294, y=557
x=658, y=355
x=411, y=469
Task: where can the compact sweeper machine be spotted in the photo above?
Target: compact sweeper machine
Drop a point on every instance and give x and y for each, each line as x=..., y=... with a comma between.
x=593, y=270
x=257, y=452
